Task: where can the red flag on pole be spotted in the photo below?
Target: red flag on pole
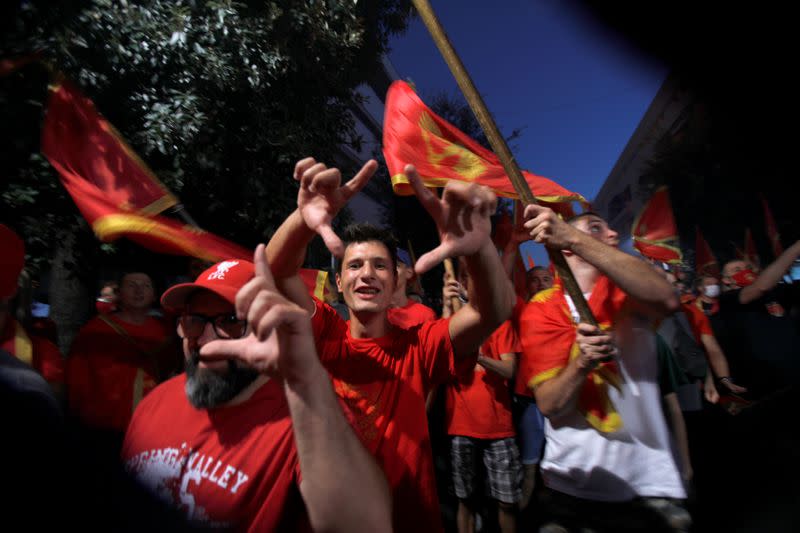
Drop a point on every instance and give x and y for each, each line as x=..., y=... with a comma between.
x=750, y=253
x=112, y=188
x=412, y=133
x=705, y=262
x=654, y=232
x=78, y=141
x=772, y=228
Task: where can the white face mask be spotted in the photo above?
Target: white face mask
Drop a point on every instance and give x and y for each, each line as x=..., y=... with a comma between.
x=712, y=291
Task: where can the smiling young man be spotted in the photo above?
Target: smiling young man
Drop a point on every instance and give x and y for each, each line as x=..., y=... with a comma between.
x=251, y=437
x=384, y=372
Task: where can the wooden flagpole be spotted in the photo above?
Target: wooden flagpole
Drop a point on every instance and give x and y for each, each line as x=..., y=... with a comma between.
x=499, y=146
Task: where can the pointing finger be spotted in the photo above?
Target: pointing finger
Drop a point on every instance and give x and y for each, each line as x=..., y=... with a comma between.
x=358, y=181
x=225, y=349
x=428, y=200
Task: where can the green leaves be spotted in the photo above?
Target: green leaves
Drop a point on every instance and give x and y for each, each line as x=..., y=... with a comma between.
x=219, y=98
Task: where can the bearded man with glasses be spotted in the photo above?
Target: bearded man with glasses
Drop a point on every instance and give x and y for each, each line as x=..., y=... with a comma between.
x=251, y=437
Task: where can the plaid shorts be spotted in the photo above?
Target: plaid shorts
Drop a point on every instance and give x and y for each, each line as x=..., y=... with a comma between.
x=501, y=459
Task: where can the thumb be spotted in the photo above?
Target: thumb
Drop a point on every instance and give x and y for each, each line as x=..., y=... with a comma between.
x=431, y=259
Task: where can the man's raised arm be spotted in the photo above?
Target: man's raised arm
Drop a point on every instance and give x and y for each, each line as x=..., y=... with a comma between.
x=770, y=276
x=462, y=217
x=319, y=200
x=653, y=293
x=338, y=473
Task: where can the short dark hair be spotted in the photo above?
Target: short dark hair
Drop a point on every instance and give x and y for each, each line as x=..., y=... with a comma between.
x=571, y=220
x=366, y=232
x=133, y=270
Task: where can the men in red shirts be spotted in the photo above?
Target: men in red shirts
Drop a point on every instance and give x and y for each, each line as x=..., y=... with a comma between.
x=478, y=418
x=118, y=358
x=382, y=371
x=405, y=312
x=251, y=437
x=530, y=421
x=38, y=352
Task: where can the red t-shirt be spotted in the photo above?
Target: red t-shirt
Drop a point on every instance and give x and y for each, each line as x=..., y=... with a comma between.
x=234, y=467
x=410, y=315
x=384, y=382
x=698, y=321
x=520, y=385
x=479, y=405
x=45, y=357
x=109, y=373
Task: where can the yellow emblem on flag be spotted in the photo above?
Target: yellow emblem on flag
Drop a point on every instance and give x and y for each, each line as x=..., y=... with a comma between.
x=469, y=165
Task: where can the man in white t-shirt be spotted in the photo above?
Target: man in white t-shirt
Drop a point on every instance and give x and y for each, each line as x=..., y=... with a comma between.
x=608, y=463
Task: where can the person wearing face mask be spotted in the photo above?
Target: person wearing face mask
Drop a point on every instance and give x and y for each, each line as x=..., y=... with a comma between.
x=708, y=291
x=754, y=306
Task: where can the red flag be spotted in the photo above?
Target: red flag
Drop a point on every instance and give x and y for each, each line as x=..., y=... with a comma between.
x=412, y=133
x=547, y=334
x=705, y=262
x=316, y=281
x=81, y=143
x=531, y=262
x=750, y=253
x=772, y=228
x=654, y=232
x=100, y=163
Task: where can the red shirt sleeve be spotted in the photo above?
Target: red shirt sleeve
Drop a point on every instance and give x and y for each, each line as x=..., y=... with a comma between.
x=427, y=313
x=436, y=352
x=505, y=339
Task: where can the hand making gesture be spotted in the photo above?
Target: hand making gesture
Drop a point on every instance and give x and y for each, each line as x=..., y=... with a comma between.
x=461, y=216
x=322, y=196
x=280, y=342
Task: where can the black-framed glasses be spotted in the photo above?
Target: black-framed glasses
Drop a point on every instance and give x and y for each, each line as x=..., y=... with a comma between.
x=226, y=326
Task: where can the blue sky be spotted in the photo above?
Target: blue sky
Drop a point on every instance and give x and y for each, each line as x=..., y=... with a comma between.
x=547, y=66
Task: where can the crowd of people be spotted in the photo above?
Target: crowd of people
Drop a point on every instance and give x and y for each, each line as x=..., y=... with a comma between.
x=246, y=403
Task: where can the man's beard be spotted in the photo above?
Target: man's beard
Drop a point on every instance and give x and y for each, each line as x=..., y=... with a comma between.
x=207, y=389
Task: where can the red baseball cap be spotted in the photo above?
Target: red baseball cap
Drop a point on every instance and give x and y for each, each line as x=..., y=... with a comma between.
x=12, y=260
x=223, y=279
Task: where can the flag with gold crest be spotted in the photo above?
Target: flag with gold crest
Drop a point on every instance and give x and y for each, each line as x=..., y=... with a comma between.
x=113, y=189
x=654, y=232
x=548, y=333
x=414, y=134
